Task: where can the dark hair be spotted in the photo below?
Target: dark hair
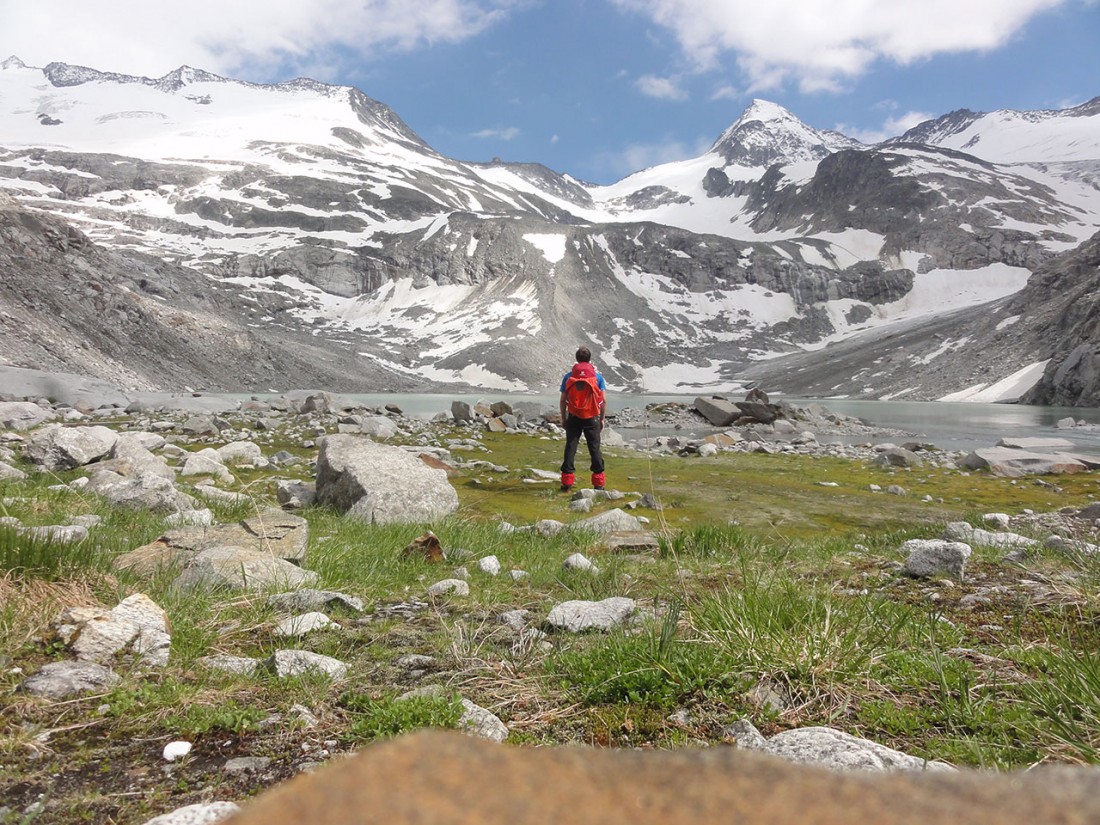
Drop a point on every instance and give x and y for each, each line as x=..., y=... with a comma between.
x=584, y=354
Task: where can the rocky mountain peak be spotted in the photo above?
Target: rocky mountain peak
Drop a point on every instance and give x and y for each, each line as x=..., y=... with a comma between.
x=935, y=131
x=13, y=62
x=766, y=134
x=185, y=76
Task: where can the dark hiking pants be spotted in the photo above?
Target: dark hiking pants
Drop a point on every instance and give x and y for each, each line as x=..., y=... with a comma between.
x=574, y=429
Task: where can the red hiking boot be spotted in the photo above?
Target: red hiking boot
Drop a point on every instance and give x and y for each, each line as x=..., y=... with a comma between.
x=598, y=481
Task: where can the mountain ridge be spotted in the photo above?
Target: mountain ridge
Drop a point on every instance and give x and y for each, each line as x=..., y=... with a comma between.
x=779, y=239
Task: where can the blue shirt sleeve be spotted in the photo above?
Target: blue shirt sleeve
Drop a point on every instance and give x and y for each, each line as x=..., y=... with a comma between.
x=564, y=378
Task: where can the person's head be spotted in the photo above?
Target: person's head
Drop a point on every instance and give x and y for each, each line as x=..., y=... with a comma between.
x=584, y=355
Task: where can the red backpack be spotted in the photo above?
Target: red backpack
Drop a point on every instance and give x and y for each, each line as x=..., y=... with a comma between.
x=583, y=396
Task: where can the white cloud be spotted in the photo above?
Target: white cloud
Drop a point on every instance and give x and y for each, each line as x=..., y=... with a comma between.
x=498, y=134
x=822, y=43
x=665, y=88
x=892, y=127
x=257, y=39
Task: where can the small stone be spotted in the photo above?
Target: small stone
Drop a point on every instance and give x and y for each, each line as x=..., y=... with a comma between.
x=304, y=624
x=176, y=750
x=490, y=565
x=456, y=586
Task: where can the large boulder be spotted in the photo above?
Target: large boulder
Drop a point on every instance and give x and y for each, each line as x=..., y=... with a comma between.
x=64, y=448
x=131, y=456
x=23, y=415
x=380, y=484
x=1011, y=462
x=718, y=411
x=145, y=491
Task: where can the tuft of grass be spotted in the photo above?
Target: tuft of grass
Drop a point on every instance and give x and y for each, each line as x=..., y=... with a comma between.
x=374, y=718
x=656, y=667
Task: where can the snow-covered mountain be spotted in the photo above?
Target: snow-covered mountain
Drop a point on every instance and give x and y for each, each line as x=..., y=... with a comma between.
x=326, y=217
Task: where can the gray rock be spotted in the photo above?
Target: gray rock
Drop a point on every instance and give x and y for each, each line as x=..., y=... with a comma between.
x=549, y=527
x=1037, y=443
x=928, y=558
x=230, y=664
x=237, y=568
x=247, y=764
x=837, y=750
x=204, y=813
x=284, y=663
x=578, y=561
x=456, y=586
x=1071, y=546
x=490, y=565
x=206, y=462
x=136, y=625
x=295, y=494
x=962, y=531
x=146, y=491
x=718, y=411
x=279, y=533
x=23, y=415
x=480, y=722
x=242, y=453
x=64, y=448
x=515, y=619
x=304, y=624
x=381, y=484
x=897, y=457
x=9, y=473
x=611, y=521
x=461, y=411
x=578, y=616
x=59, y=680
x=378, y=426
x=154, y=636
x=1013, y=463
x=131, y=456
x=307, y=600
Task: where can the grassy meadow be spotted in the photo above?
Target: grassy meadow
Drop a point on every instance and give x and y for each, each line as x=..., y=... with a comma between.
x=772, y=597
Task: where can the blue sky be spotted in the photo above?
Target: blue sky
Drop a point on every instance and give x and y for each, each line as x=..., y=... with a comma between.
x=601, y=88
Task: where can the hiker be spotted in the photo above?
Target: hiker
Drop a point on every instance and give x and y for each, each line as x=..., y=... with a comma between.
x=582, y=406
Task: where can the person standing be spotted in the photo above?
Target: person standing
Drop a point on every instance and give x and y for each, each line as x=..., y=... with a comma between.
x=583, y=405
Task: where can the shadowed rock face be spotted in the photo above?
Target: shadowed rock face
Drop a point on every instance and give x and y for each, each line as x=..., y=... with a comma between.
x=435, y=777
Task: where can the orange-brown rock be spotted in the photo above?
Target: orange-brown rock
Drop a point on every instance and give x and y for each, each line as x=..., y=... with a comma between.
x=427, y=546
x=445, y=777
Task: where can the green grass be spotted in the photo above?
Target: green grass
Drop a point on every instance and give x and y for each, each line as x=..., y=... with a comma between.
x=763, y=577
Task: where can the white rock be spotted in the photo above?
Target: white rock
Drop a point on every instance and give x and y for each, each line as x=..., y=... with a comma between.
x=304, y=624
x=490, y=565
x=203, y=813
x=578, y=561
x=577, y=616
x=176, y=750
